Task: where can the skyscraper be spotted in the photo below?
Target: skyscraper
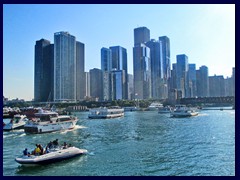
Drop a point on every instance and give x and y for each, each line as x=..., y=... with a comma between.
x=141, y=64
x=182, y=71
x=64, y=67
x=216, y=86
x=142, y=72
x=141, y=35
x=80, y=72
x=106, y=59
x=166, y=61
x=192, y=80
x=156, y=69
x=202, y=82
x=119, y=62
x=43, y=71
x=118, y=81
x=96, y=83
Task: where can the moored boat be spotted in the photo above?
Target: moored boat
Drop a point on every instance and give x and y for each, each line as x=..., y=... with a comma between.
x=48, y=121
x=54, y=155
x=154, y=106
x=103, y=112
x=17, y=122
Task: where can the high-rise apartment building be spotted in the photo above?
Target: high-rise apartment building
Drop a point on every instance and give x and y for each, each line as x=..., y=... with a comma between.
x=43, y=71
x=64, y=67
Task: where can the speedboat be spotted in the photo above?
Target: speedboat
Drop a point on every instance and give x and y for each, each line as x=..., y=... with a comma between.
x=17, y=122
x=49, y=121
x=183, y=111
x=103, y=112
x=54, y=155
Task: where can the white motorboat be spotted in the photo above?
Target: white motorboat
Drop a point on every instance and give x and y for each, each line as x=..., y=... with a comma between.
x=103, y=112
x=48, y=121
x=166, y=109
x=17, y=122
x=183, y=111
x=154, y=106
x=54, y=155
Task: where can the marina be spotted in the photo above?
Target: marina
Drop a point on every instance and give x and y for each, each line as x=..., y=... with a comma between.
x=151, y=144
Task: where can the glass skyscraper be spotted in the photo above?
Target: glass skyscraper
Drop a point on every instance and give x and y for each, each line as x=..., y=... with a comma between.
x=202, y=82
x=141, y=64
x=43, y=71
x=156, y=68
x=64, y=67
x=182, y=74
x=119, y=62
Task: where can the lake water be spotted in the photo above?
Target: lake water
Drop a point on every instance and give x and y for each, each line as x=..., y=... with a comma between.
x=140, y=143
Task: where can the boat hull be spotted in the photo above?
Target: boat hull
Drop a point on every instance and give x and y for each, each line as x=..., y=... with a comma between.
x=105, y=116
x=51, y=157
x=46, y=128
x=181, y=115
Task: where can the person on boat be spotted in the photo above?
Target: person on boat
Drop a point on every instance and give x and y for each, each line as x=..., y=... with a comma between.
x=65, y=146
x=37, y=150
x=41, y=149
x=50, y=145
x=25, y=152
x=46, y=150
x=55, y=143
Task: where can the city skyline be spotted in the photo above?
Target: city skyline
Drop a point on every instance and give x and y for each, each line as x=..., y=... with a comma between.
x=19, y=53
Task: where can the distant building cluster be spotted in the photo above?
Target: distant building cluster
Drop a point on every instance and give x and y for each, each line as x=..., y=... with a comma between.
x=59, y=73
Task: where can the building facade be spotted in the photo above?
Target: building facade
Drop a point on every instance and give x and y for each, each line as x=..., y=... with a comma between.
x=96, y=84
x=141, y=64
x=80, y=71
x=202, y=82
x=64, y=67
x=182, y=74
x=43, y=71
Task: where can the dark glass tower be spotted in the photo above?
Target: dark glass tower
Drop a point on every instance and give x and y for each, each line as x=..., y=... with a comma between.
x=96, y=83
x=202, y=82
x=43, y=71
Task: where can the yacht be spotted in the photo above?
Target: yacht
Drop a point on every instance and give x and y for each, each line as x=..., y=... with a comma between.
x=17, y=122
x=103, y=112
x=49, y=121
x=54, y=155
x=155, y=106
x=183, y=111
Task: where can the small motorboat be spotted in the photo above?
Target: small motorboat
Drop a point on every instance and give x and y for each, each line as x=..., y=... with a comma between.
x=183, y=111
x=17, y=122
x=54, y=155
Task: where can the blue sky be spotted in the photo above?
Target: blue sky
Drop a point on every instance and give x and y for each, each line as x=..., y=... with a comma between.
x=205, y=33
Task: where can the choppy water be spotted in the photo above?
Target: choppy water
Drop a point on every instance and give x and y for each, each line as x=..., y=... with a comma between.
x=141, y=143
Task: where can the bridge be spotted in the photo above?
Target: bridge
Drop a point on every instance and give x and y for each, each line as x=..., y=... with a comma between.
x=228, y=100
